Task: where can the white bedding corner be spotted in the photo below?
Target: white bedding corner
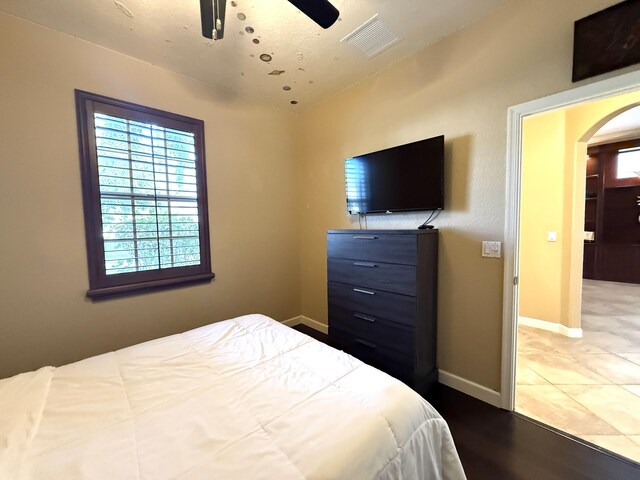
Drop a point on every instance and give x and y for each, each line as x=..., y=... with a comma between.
x=246, y=398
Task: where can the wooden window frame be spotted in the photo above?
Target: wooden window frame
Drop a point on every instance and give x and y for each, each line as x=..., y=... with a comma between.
x=102, y=285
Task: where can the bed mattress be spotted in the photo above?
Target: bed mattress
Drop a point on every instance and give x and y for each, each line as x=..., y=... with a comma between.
x=246, y=398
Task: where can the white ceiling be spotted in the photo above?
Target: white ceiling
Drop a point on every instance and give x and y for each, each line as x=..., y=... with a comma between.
x=314, y=62
x=624, y=125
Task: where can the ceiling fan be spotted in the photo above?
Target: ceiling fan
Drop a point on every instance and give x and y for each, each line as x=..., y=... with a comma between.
x=212, y=13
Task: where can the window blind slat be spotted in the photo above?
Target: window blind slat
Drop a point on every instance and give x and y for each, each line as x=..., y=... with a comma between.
x=121, y=171
x=112, y=154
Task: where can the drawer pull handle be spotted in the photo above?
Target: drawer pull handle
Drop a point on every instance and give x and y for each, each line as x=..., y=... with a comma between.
x=365, y=264
x=359, y=290
x=365, y=343
x=364, y=317
x=365, y=237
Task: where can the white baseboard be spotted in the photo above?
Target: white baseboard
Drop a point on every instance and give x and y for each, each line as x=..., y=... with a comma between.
x=472, y=389
x=291, y=322
x=550, y=327
x=309, y=322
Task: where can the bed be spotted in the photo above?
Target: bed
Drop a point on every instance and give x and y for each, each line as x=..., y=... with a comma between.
x=246, y=398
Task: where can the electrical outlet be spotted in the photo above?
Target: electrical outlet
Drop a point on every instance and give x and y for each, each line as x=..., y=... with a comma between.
x=491, y=249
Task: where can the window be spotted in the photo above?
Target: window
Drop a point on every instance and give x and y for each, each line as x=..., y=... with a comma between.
x=628, y=163
x=145, y=197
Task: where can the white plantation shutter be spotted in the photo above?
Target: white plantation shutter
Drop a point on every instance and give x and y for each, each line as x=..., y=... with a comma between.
x=148, y=195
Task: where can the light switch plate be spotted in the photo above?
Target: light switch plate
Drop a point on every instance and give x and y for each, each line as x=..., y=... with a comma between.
x=491, y=249
x=552, y=236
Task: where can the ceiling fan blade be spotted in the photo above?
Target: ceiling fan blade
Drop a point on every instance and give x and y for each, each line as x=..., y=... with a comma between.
x=212, y=13
x=206, y=18
x=320, y=11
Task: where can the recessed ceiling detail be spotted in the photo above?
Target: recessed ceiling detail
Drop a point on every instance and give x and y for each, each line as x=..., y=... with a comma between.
x=372, y=37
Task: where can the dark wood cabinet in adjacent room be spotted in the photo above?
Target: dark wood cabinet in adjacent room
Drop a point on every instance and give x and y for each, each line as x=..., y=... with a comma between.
x=612, y=214
x=382, y=292
x=589, y=261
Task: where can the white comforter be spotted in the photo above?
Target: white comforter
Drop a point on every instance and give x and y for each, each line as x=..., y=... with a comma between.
x=243, y=399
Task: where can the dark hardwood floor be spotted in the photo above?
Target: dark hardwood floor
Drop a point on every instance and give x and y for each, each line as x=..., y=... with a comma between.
x=498, y=445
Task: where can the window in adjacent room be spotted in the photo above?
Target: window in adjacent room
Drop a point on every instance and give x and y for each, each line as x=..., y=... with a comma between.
x=628, y=163
x=145, y=197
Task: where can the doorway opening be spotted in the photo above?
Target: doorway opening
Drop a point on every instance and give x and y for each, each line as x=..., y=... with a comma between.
x=578, y=339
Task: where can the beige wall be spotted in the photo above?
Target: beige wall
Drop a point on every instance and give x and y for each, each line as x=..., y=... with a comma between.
x=460, y=87
x=542, y=211
x=553, y=191
x=44, y=316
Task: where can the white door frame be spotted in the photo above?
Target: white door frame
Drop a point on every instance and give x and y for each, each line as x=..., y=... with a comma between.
x=594, y=91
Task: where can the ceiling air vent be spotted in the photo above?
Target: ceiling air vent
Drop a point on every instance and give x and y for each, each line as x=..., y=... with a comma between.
x=372, y=37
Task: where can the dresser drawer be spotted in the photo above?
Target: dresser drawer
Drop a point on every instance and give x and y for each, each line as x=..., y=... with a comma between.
x=381, y=276
x=370, y=327
x=389, y=306
x=394, y=363
x=381, y=248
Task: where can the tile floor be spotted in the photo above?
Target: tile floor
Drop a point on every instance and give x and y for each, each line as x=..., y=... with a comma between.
x=589, y=387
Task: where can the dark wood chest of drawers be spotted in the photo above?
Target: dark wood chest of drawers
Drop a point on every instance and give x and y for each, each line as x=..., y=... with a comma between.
x=382, y=294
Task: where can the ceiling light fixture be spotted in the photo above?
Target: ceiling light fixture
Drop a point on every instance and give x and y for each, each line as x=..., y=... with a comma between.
x=212, y=14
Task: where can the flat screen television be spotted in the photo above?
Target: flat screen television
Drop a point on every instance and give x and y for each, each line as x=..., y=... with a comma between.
x=403, y=178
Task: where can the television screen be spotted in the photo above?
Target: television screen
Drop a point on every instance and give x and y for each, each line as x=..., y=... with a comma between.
x=407, y=177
